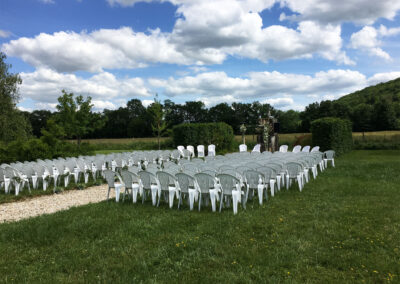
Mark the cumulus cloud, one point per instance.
(105, 48)
(261, 85)
(383, 77)
(368, 39)
(337, 11)
(4, 34)
(44, 87)
(204, 33)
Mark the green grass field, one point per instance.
(343, 228)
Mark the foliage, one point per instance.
(13, 124)
(76, 117)
(332, 134)
(343, 227)
(220, 134)
(158, 120)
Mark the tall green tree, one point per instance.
(158, 119)
(76, 117)
(13, 124)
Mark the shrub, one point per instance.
(332, 134)
(220, 134)
(36, 149)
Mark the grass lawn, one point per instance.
(344, 227)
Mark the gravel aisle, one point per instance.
(47, 204)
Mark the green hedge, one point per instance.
(32, 149)
(331, 133)
(220, 134)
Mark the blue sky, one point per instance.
(288, 53)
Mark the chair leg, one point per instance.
(108, 194)
(221, 202)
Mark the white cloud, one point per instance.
(215, 87)
(279, 102)
(146, 103)
(44, 86)
(28, 109)
(46, 106)
(368, 40)
(383, 77)
(212, 101)
(100, 105)
(93, 52)
(206, 33)
(4, 34)
(337, 11)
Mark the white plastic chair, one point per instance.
(190, 148)
(242, 148)
(257, 148)
(283, 148)
(315, 149)
(329, 156)
(306, 149)
(296, 149)
(180, 148)
(211, 150)
(200, 151)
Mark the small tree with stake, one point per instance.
(158, 125)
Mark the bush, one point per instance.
(220, 134)
(331, 133)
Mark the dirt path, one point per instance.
(47, 204)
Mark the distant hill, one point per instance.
(388, 91)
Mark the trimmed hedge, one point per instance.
(332, 133)
(220, 134)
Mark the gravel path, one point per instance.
(47, 204)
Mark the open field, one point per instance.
(290, 137)
(344, 227)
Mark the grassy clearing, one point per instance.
(344, 227)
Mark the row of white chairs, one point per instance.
(190, 152)
(231, 178)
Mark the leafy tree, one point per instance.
(38, 120)
(194, 111)
(289, 121)
(363, 118)
(13, 124)
(158, 119)
(385, 116)
(76, 117)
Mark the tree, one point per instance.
(76, 117)
(363, 118)
(13, 124)
(38, 120)
(158, 119)
(289, 121)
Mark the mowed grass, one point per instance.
(343, 228)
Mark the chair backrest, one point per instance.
(242, 148)
(110, 178)
(210, 172)
(211, 150)
(283, 148)
(147, 179)
(186, 153)
(127, 178)
(330, 154)
(190, 148)
(242, 169)
(180, 148)
(165, 179)
(225, 167)
(315, 149)
(190, 167)
(306, 149)
(268, 172)
(293, 169)
(253, 178)
(205, 182)
(185, 181)
(296, 149)
(176, 154)
(257, 148)
(228, 183)
(200, 151)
